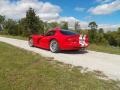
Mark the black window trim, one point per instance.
(69, 32)
(49, 32)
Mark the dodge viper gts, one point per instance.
(58, 39)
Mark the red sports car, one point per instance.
(57, 39)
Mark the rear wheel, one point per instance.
(82, 49)
(30, 42)
(54, 46)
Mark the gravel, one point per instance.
(109, 64)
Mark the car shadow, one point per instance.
(68, 52)
(74, 52)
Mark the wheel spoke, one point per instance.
(30, 42)
(53, 46)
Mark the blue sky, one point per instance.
(68, 9)
(106, 13)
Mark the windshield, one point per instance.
(67, 32)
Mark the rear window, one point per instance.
(67, 32)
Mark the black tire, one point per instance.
(30, 42)
(54, 46)
(82, 49)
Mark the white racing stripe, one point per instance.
(82, 40)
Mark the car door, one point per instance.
(45, 41)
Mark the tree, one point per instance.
(41, 27)
(101, 30)
(93, 25)
(2, 19)
(118, 37)
(33, 23)
(112, 37)
(77, 27)
(93, 31)
(64, 25)
(101, 37)
(22, 27)
(11, 27)
(118, 30)
(54, 24)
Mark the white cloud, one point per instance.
(103, 1)
(79, 9)
(84, 24)
(46, 11)
(106, 8)
(109, 27)
(71, 22)
(89, 18)
(18, 9)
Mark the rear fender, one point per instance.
(36, 39)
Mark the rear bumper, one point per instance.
(73, 46)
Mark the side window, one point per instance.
(50, 33)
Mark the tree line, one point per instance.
(98, 36)
(32, 24)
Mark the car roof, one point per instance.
(58, 29)
(55, 29)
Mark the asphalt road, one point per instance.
(109, 64)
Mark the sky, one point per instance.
(106, 13)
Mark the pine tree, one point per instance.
(33, 23)
(93, 31)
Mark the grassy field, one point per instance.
(106, 49)
(23, 70)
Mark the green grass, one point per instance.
(23, 70)
(106, 49)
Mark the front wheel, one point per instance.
(54, 46)
(30, 42)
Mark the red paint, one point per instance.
(66, 42)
